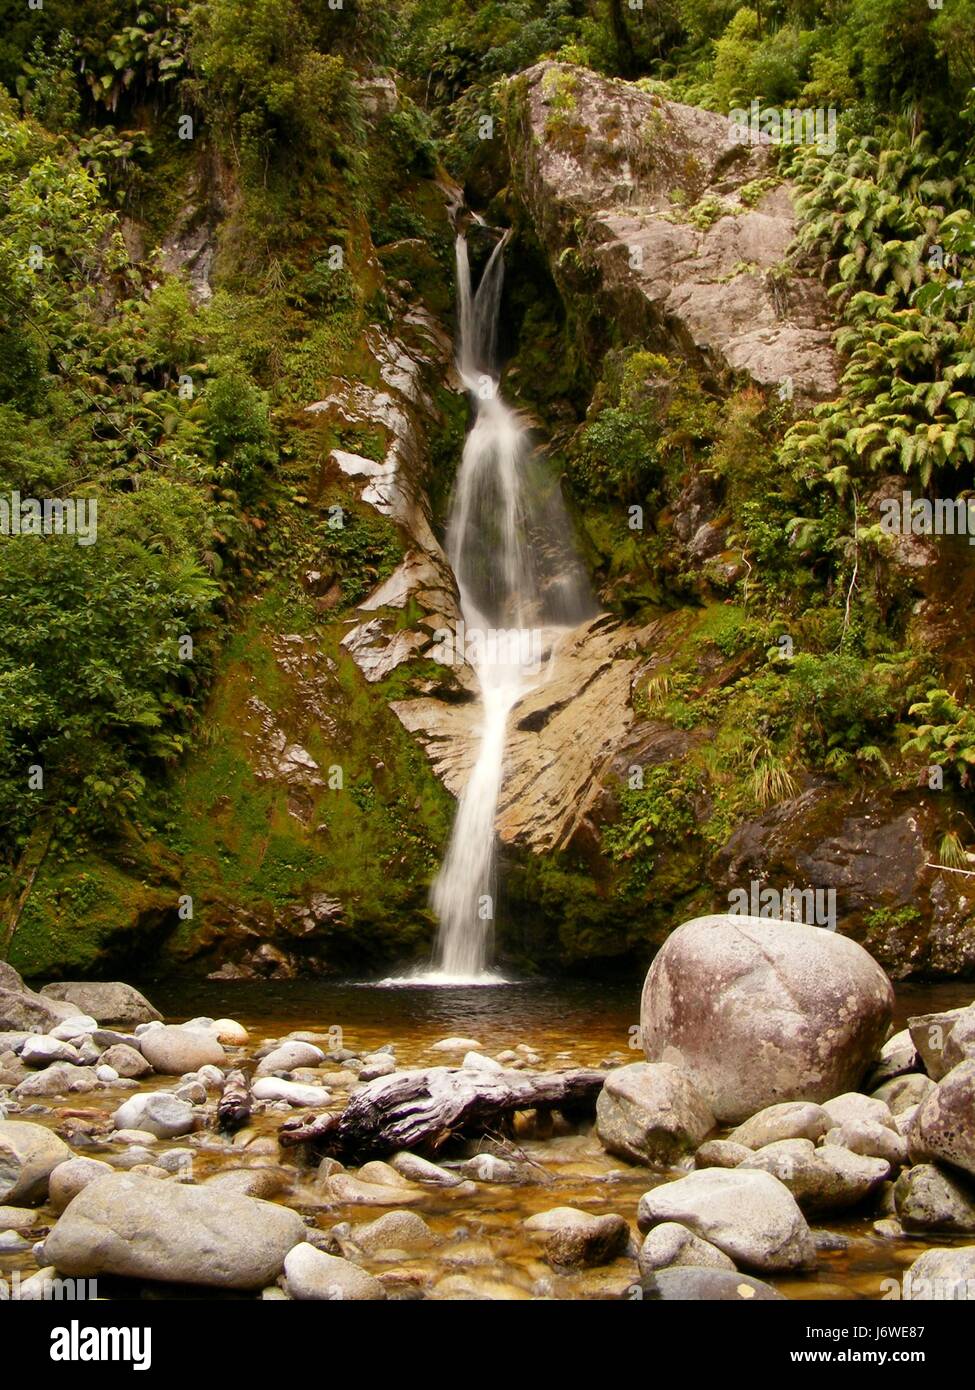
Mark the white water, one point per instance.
(507, 541)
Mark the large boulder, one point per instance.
(576, 1238)
(651, 1113)
(137, 1226)
(944, 1126)
(108, 1001)
(312, 1274)
(751, 1216)
(156, 1112)
(760, 1011)
(691, 1284)
(930, 1034)
(29, 1153)
(940, 1276)
(790, 1119)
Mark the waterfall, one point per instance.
(520, 584)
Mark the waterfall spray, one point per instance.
(519, 583)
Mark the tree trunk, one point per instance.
(423, 1109)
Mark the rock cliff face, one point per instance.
(665, 223)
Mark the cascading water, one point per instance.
(520, 583)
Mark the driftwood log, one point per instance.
(421, 1110)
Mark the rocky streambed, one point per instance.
(114, 1165)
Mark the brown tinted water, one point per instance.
(483, 1250)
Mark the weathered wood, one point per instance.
(421, 1110)
(234, 1107)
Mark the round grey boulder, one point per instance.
(928, 1198)
(790, 1119)
(671, 1244)
(311, 1274)
(174, 1050)
(944, 1126)
(759, 1011)
(108, 1001)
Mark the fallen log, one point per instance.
(421, 1110)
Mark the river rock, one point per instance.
(343, 1189)
(456, 1045)
(790, 1119)
(59, 1079)
(158, 1113)
(127, 1061)
(253, 1182)
(821, 1180)
(720, 1153)
(690, 1284)
(651, 1113)
(929, 1033)
(854, 1106)
(760, 1011)
(76, 1028)
(311, 1274)
(670, 1244)
(288, 1056)
(576, 1239)
(108, 1001)
(68, 1179)
(750, 1215)
(897, 1057)
(417, 1169)
(944, 1126)
(143, 1229)
(174, 1050)
(394, 1230)
(870, 1138)
(960, 1042)
(23, 1011)
(903, 1092)
(9, 979)
(40, 1050)
(942, 1275)
(229, 1032)
(29, 1153)
(275, 1088)
(928, 1198)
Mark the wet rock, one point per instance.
(395, 1230)
(928, 1198)
(229, 1032)
(143, 1229)
(173, 1050)
(821, 1180)
(575, 1239)
(59, 1079)
(941, 1275)
(12, 1243)
(417, 1169)
(17, 1218)
(159, 1113)
(456, 1045)
(706, 1285)
(289, 1056)
(929, 1033)
(68, 1179)
(759, 1011)
(274, 1088)
(29, 1153)
(651, 1113)
(375, 1065)
(944, 1126)
(751, 1216)
(106, 1001)
(311, 1274)
(486, 1167)
(903, 1092)
(252, 1182)
(721, 1153)
(790, 1119)
(671, 1244)
(345, 1190)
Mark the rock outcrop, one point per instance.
(669, 225)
